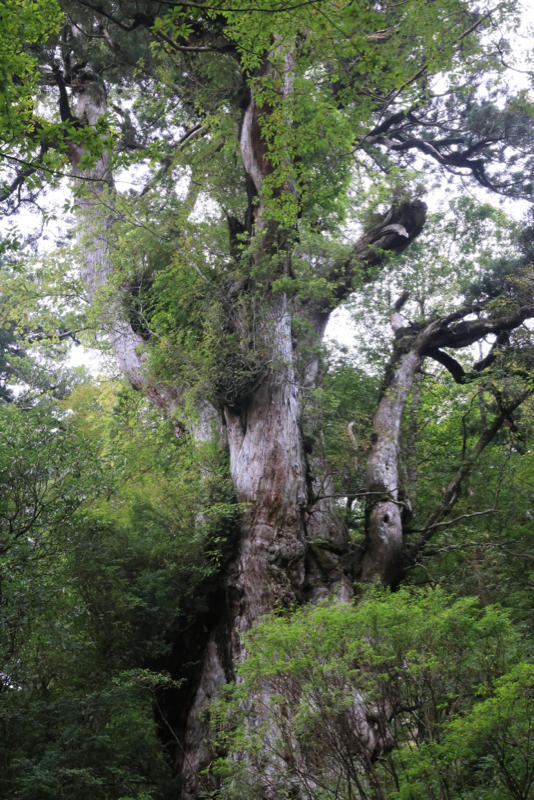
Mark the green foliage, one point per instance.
(42, 482)
(140, 544)
(22, 22)
(484, 553)
(10, 351)
(321, 683)
(105, 564)
(91, 745)
(114, 533)
(186, 303)
(485, 754)
(345, 403)
(469, 252)
(196, 340)
(341, 62)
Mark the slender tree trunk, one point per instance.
(385, 559)
(382, 559)
(383, 555)
(95, 199)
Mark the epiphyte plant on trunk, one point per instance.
(264, 130)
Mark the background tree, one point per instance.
(102, 568)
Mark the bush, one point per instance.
(337, 694)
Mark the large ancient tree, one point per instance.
(265, 134)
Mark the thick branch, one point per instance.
(458, 159)
(470, 331)
(41, 335)
(138, 20)
(456, 369)
(447, 361)
(31, 167)
(64, 105)
(392, 234)
(223, 47)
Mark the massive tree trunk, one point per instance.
(291, 544)
(273, 567)
(268, 470)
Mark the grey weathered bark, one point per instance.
(410, 451)
(382, 560)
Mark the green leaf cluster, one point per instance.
(319, 683)
(22, 23)
(105, 567)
